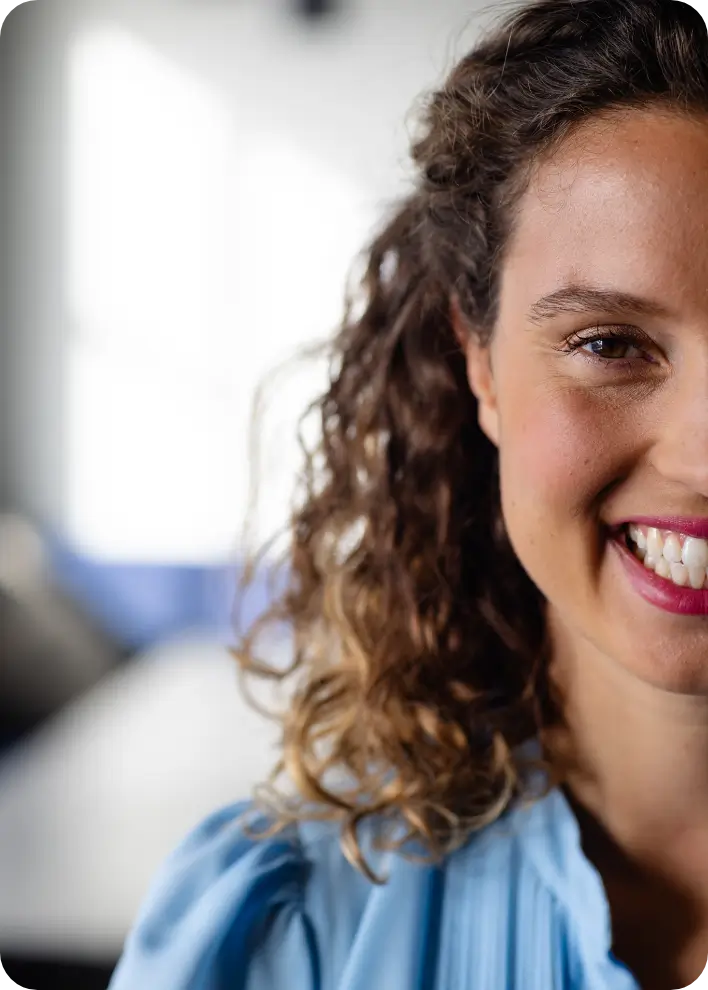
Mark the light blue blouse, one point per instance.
(519, 907)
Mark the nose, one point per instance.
(680, 449)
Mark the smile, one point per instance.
(673, 556)
(667, 568)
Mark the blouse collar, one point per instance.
(550, 837)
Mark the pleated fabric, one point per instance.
(519, 907)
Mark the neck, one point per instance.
(634, 756)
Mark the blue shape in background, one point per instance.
(140, 605)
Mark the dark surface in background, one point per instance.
(316, 8)
(37, 648)
(21, 642)
(48, 975)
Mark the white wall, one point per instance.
(190, 183)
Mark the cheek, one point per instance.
(556, 456)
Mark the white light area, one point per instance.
(302, 224)
(201, 254)
(150, 459)
(151, 161)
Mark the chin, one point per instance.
(659, 638)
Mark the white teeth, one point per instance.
(695, 552)
(696, 577)
(679, 574)
(681, 559)
(655, 544)
(672, 550)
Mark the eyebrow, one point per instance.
(587, 299)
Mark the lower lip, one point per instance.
(657, 591)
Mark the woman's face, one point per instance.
(594, 434)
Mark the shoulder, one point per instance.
(224, 896)
(231, 909)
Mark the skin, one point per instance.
(584, 444)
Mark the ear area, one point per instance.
(479, 371)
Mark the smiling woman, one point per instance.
(495, 755)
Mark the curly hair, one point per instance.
(419, 641)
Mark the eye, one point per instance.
(611, 348)
(621, 346)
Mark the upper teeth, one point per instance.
(683, 559)
(675, 547)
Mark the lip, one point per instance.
(689, 526)
(655, 590)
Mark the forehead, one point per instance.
(622, 203)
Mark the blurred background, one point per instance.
(183, 187)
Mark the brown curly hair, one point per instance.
(419, 640)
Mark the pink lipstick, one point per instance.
(658, 591)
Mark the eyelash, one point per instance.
(627, 335)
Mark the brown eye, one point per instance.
(611, 348)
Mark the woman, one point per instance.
(498, 732)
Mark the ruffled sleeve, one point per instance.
(225, 911)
